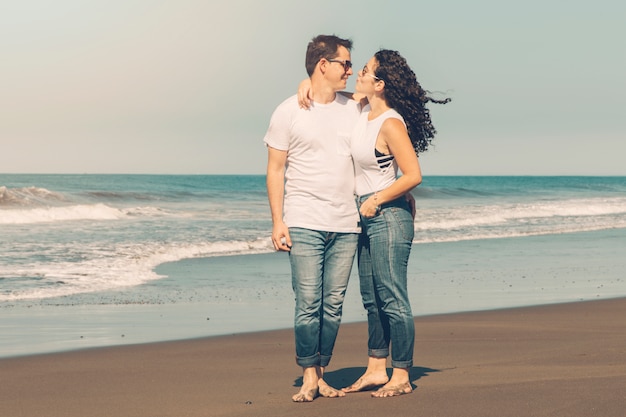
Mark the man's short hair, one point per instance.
(323, 46)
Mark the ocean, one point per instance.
(82, 256)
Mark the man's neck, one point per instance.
(322, 92)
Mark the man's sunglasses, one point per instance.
(346, 64)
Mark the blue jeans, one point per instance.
(320, 269)
(383, 255)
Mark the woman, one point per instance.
(393, 128)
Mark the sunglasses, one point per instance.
(365, 71)
(346, 64)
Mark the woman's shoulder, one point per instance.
(392, 123)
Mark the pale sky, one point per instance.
(188, 86)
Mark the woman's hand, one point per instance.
(411, 200)
(369, 208)
(305, 94)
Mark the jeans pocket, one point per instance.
(402, 220)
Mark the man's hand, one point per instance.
(281, 238)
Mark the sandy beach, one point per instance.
(556, 360)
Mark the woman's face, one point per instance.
(367, 78)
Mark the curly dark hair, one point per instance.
(405, 94)
(323, 46)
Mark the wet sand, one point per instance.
(554, 360)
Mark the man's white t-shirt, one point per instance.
(319, 176)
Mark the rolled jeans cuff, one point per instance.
(378, 353)
(401, 364)
(308, 361)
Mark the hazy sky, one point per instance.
(188, 87)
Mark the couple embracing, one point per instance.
(334, 191)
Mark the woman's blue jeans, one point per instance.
(383, 254)
(320, 269)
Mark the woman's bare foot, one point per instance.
(368, 381)
(375, 375)
(327, 391)
(393, 390)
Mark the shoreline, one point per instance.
(248, 293)
(245, 333)
(566, 359)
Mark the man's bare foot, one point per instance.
(327, 391)
(393, 390)
(306, 395)
(367, 382)
(309, 390)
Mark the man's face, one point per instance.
(339, 69)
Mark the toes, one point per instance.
(353, 388)
(304, 396)
(394, 391)
(364, 385)
(330, 392)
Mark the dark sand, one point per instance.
(560, 360)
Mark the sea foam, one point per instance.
(63, 213)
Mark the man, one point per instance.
(310, 186)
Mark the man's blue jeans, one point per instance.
(383, 255)
(320, 269)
